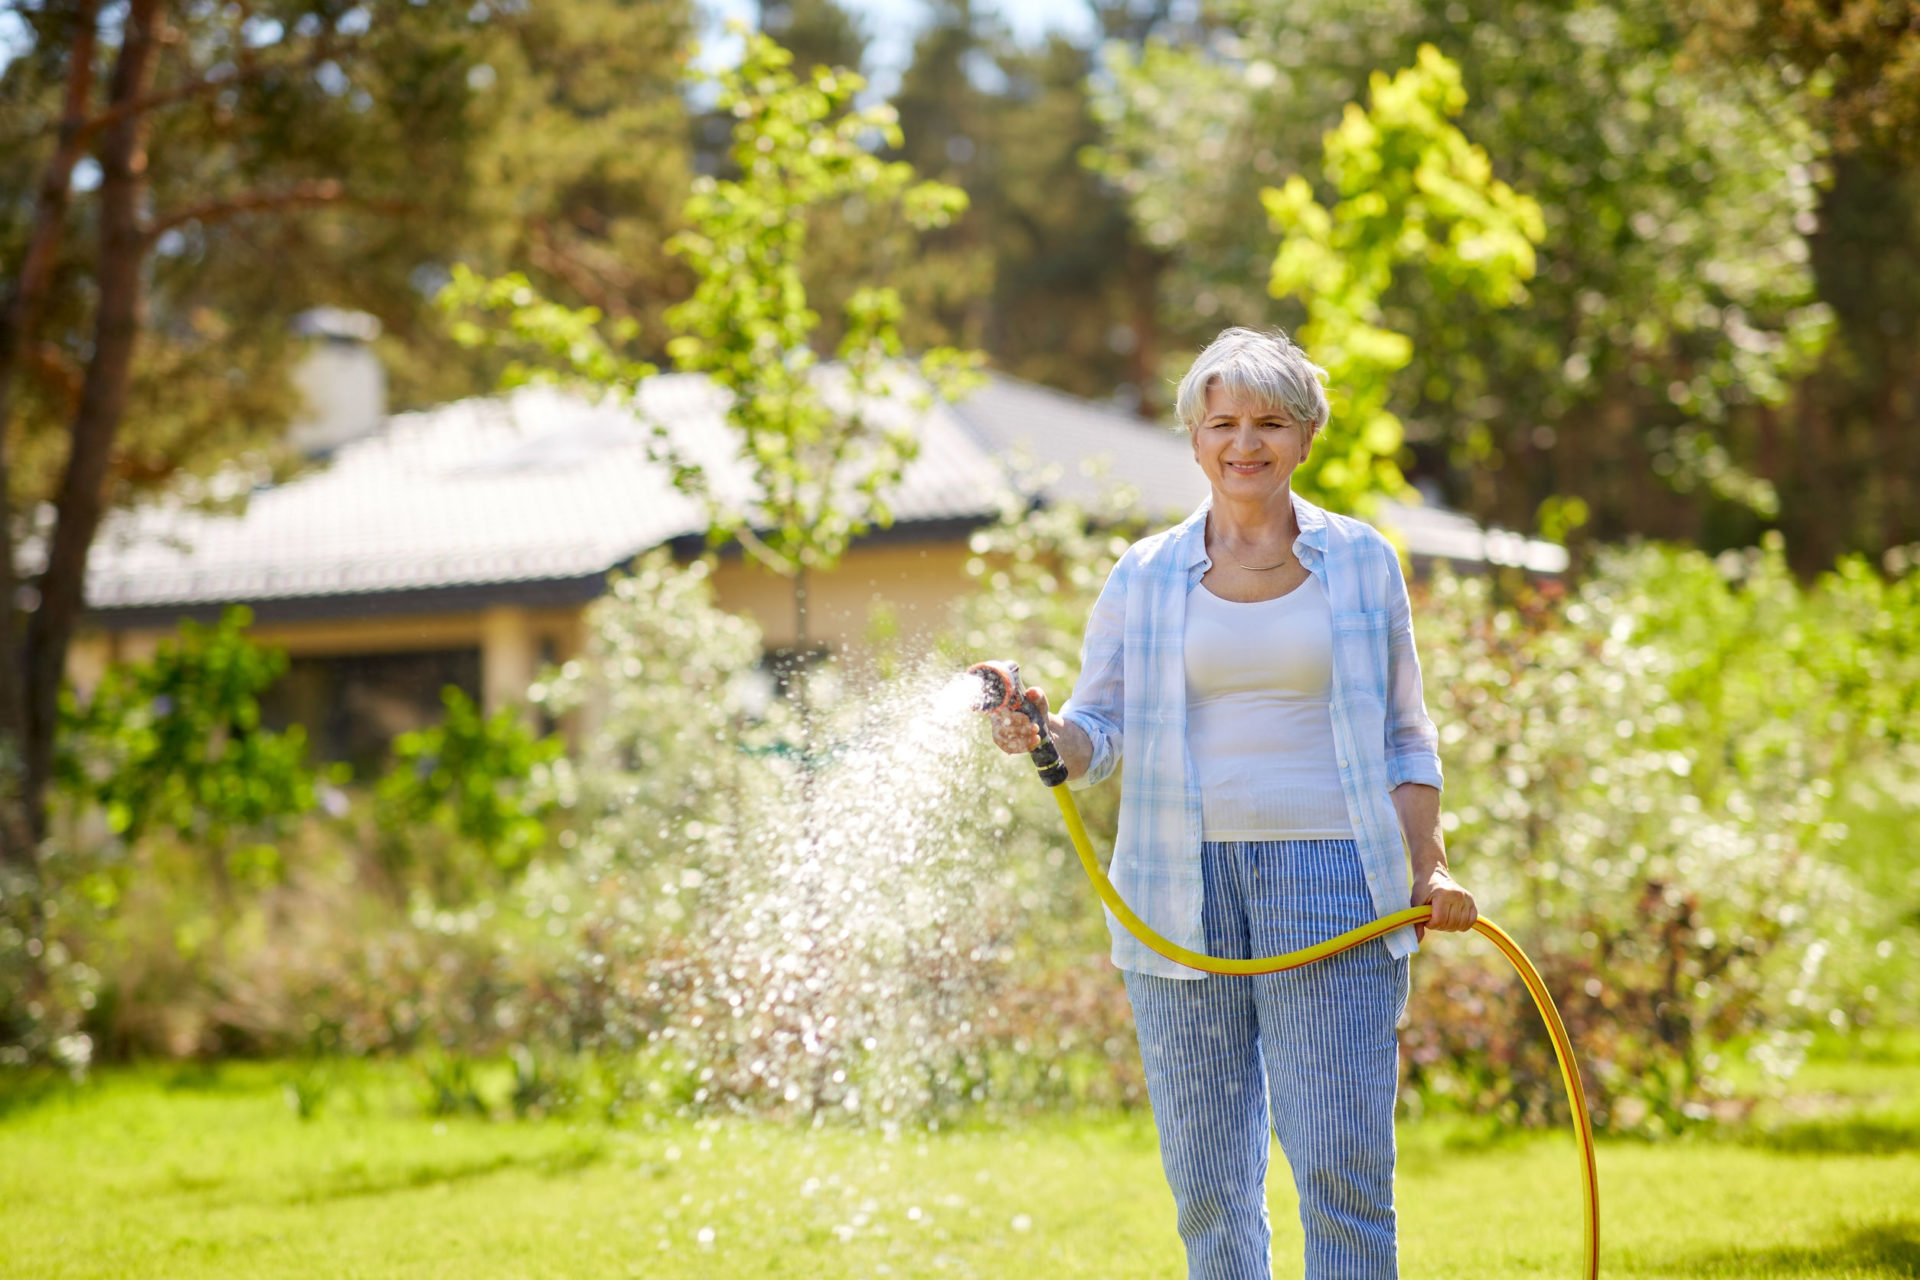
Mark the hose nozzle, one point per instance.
(1001, 690)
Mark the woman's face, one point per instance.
(1248, 453)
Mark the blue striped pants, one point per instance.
(1320, 1041)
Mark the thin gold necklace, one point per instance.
(1261, 568)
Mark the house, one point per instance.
(459, 545)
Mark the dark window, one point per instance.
(353, 706)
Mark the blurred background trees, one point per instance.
(189, 177)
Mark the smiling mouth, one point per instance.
(1245, 466)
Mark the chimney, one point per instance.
(340, 379)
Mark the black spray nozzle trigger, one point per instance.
(1002, 690)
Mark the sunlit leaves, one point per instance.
(820, 456)
(175, 743)
(474, 777)
(1415, 195)
(542, 340)
(1673, 291)
(820, 445)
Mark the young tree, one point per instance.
(1415, 195)
(821, 444)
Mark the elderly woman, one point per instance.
(1252, 671)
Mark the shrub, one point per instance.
(198, 904)
(175, 744)
(1641, 788)
(167, 753)
(465, 801)
(1645, 782)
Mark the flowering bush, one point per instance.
(1642, 782)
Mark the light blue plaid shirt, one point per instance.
(1133, 688)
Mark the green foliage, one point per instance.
(447, 1086)
(1674, 296)
(175, 743)
(1414, 195)
(820, 450)
(1849, 483)
(177, 798)
(327, 155)
(306, 1089)
(481, 780)
(1042, 269)
(1862, 58)
(169, 788)
(539, 340)
(1642, 789)
(1646, 784)
(819, 466)
(1647, 781)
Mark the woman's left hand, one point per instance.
(1453, 907)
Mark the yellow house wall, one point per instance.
(917, 583)
(509, 639)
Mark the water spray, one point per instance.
(1002, 690)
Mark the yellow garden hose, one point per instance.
(1556, 1029)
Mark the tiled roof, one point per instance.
(545, 485)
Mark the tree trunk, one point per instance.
(103, 398)
(799, 664)
(19, 321)
(1144, 303)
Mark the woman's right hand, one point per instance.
(1015, 733)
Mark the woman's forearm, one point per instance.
(1419, 808)
(1433, 885)
(1073, 744)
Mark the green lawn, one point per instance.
(156, 1174)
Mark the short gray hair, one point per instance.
(1264, 367)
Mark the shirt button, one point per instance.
(1343, 764)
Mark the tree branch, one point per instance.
(318, 191)
(601, 283)
(209, 85)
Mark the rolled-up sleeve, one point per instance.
(1413, 744)
(1097, 704)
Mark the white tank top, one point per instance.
(1259, 716)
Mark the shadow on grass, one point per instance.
(1853, 1136)
(356, 1182)
(353, 1184)
(1881, 1249)
(24, 1091)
